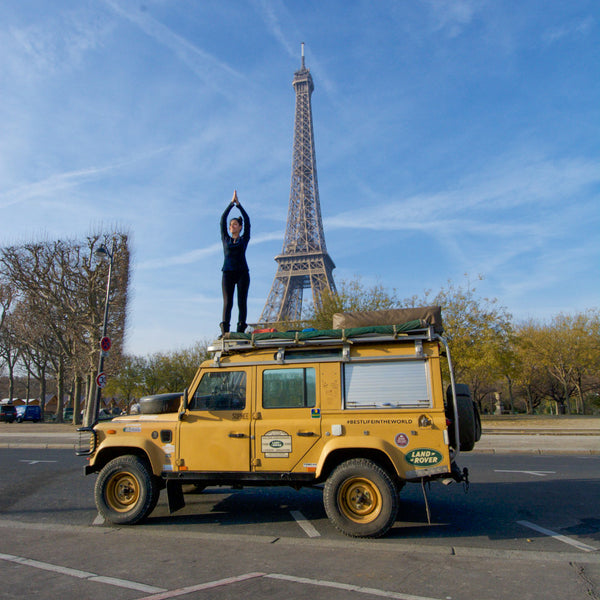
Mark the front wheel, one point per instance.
(126, 491)
(361, 499)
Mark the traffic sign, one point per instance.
(101, 380)
(105, 344)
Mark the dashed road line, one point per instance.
(558, 536)
(305, 524)
(124, 583)
(538, 473)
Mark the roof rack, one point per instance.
(244, 342)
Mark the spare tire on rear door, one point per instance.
(160, 403)
(469, 421)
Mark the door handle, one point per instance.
(236, 435)
(306, 433)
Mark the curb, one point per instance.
(42, 446)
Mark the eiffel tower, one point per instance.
(303, 262)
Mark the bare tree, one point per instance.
(9, 350)
(63, 284)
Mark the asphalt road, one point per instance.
(529, 527)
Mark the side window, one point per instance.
(289, 388)
(221, 390)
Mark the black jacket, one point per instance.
(235, 251)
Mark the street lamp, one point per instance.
(103, 253)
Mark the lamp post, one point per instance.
(102, 252)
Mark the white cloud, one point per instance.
(199, 254)
(213, 72)
(452, 16)
(577, 28)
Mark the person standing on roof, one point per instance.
(235, 268)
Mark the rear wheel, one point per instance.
(126, 491)
(361, 499)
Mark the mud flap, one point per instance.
(175, 495)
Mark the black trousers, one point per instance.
(231, 279)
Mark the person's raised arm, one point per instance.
(234, 200)
(246, 221)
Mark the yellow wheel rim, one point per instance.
(122, 492)
(360, 500)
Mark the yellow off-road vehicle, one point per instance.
(360, 410)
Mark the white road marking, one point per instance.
(99, 520)
(306, 525)
(163, 594)
(202, 586)
(558, 536)
(35, 462)
(36, 564)
(348, 587)
(538, 473)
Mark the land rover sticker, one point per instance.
(401, 440)
(276, 444)
(423, 457)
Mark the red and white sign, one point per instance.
(401, 440)
(101, 380)
(105, 344)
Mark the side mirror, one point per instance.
(184, 405)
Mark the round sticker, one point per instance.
(401, 440)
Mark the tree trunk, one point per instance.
(77, 401)
(528, 402)
(43, 391)
(60, 392)
(90, 400)
(567, 403)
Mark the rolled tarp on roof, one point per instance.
(427, 315)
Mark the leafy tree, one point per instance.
(126, 382)
(478, 330)
(351, 296)
(567, 349)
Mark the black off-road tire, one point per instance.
(361, 499)
(126, 491)
(469, 425)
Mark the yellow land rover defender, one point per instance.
(359, 410)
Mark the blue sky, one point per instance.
(452, 137)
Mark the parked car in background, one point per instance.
(29, 413)
(8, 413)
(68, 414)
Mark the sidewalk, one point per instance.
(540, 434)
(501, 435)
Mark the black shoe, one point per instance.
(224, 329)
(241, 327)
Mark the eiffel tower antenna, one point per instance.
(304, 262)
